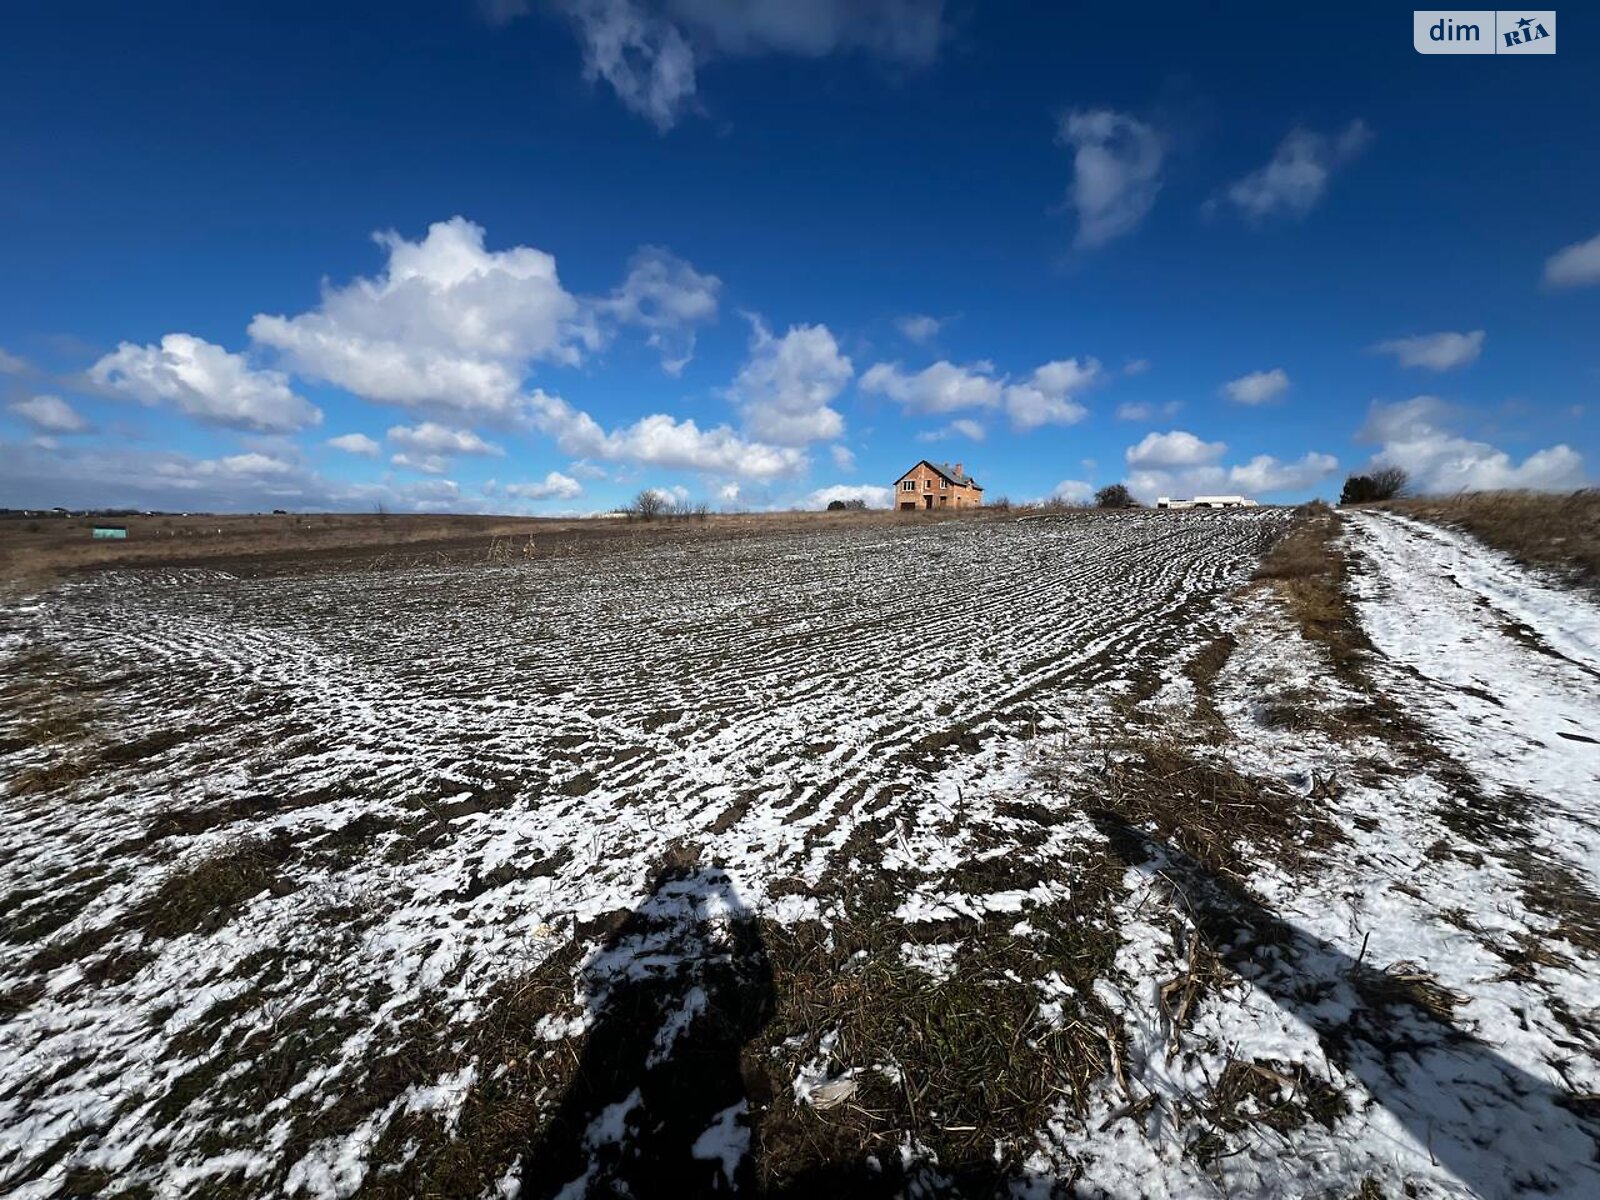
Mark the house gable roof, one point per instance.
(948, 472)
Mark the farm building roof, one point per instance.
(953, 474)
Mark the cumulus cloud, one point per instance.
(1179, 448)
(1262, 474)
(662, 441)
(1577, 265)
(449, 325)
(843, 457)
(1258, 387)
(207, 383)
(784, 389)
(429, 447)
(961, 427)
(1073, 491)
(1416, 435)
(1435, 351)
(647, 51)
(433, 438)
(50, 414)
(667, 297)
(1044, 397)
(1292, 183)
(10, 364)
(875, 497)
(1116, 162)
(554, 486)
(919, 328)
(1147, 410)
(942, 388)
(355, 443)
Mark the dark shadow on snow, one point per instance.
(675, 993)
(1522, 1134)
(660, 1105)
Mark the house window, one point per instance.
(927, 485)
(909, 485)
(944, 485)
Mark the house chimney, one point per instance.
(958, 471)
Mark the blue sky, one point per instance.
(534, 257)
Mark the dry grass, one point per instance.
(1222, 819)
(205, 894)
(33, 552)
(1308, 571)
(1558, 531)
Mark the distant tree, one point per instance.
(1115, 495)
(647, 505)
(1386, 483)
(835, 505)
(1391, 482)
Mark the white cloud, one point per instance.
(1116, 171)
(942, 388)
(1146, 410)
(647, 61)
(667, 297)
(1435, 351)
(50, 414)
(118, 477)
(1046, 396)
(784, 389)
(1137, 366)
(554, 486)
(1258, 387)
(1178, 448)
(433, 438)
(448, 325)
(10, 364)
(207, 383)
(1577, 265)
(919, 328)
(661, 441)
(648, 51)
(1073, 491)
(1415, 434)
(1263, 473)
(960, 427)
(875, 497)
(355, 443)
(843, 457)
(428, 464)
(1296, 178)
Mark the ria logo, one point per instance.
(1528, 30)
(1484, 31)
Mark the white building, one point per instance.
(1208, 502)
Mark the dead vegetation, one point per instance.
(205, 894)
(1551, 530)
(1308, 571)
(1225, 820)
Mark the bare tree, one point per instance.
(1115, 495)
(1385, 483)
(648, 505)
(1390, 483)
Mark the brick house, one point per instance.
(936, 485)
